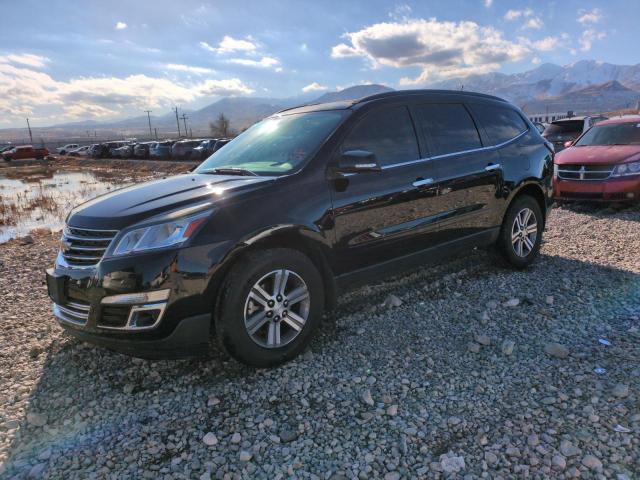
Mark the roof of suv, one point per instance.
(623, 119)
(346, 104)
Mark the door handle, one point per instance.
(492, 166)
(422, 181)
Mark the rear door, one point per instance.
(380, 215)
(467, 176)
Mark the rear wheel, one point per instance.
(271, 302)
(521, 232)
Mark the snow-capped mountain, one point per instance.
(551, 85)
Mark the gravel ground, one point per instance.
(465, 369)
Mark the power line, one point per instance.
(177, 120)
(149, 118)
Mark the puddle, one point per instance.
(41, 199)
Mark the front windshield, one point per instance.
(276, 145)
(612, 134)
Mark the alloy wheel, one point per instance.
(276, 308)
(524, 232)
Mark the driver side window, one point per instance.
(387, 133)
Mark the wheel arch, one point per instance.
(303, 239)
(533, 189)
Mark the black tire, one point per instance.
(231, 332)
(506, 246)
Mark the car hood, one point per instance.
(130, 205)
(598, 155)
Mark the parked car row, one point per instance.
(197, 149)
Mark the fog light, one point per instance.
(630, 195)
(144, 318)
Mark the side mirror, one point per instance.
(357, 161)
(568, 143)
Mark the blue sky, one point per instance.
(71, 60)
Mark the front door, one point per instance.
(379, 215)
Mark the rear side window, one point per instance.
(501, 124)
(387, 133)
(449, 128)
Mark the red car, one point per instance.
(601, 165)
(24, 151)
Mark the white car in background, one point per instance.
(67, 148)
(80, 152)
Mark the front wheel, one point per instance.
(270, 304)
(521, 232)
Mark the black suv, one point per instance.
(257, 242)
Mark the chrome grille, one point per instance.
(72, 312)
(584, 172)
(82, 247)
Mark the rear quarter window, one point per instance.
(500, 124)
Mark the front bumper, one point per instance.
(620, 189)
(107, 304)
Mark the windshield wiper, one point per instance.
(231, 171)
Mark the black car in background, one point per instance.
(564, 131)
(254, 245)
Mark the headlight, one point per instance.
(624, 169)
(160, 235)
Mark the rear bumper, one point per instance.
(624, 189)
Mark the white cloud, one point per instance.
(536, 60)
(488, 3)
(440, 49)
(589, 16)
(546, 44)
(188, 68)
(25, 59)
(229, 45)
(27, 91)
(314, 87)
(206, 46)
(588, 37)
(121, 26)
(534, 23)
(264, 62)
(515, 14)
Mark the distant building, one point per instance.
(549, 116)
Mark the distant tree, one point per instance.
(221, 127)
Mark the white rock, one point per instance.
(212, 401)
(451, 463)
(507, 347)
(483, 339)
(236, 438)
(556, 350)
(245, 456)
(392, 410)
(367, 398)
(512, 302)
(392, 301)
(36, 419)
(210, 439)
(592, 462)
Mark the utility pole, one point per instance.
(184, 119)
(29, 127)
(177, 120)
(156, 130)
(149, 118)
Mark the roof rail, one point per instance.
(423, 91)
